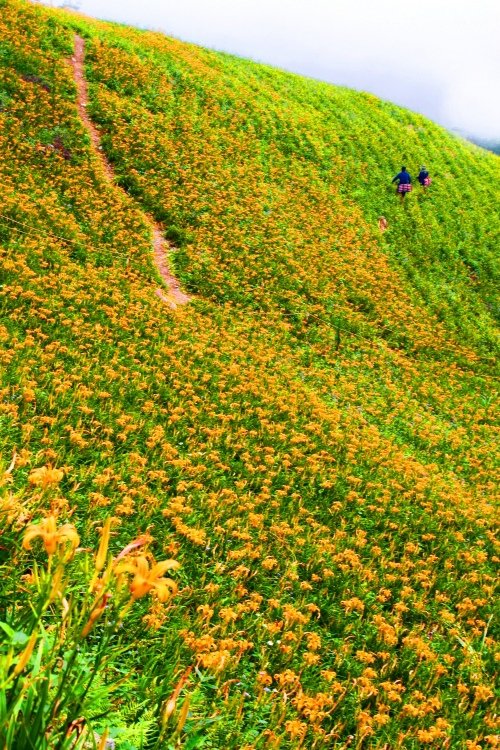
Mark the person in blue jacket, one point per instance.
(423, 177)
(404, 182)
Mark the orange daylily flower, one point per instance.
(45, 476)
(148, 579)
(102, 552)
(25, 655)
(52, 535)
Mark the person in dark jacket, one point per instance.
(404, 182)
(423, 177)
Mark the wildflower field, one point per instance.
(267, 518)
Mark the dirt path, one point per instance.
(172, 294)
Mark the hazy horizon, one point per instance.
(438, 58)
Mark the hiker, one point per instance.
(404, 182)
(423, 177)
(383, 224)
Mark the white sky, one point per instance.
(438, 57)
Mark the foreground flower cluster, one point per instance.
(311, 438)
(64, 634)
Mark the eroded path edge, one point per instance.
(172, 294)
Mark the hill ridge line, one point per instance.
(175, 295)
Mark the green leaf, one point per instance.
(7, 629)
(19, 638)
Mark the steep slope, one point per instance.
(318, 142)
(312, 437)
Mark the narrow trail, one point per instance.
(172, 295)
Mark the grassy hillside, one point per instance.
(311, 438)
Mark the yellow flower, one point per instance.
(296, 728)
(26, 654)
(95, 614)
(51, 534)
(148, 579)
(103, 546)
(44, 476)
